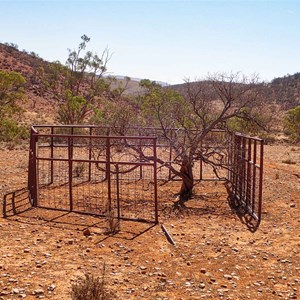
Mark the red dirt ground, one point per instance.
(215, 255)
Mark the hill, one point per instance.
(39, 105)
(283, 91)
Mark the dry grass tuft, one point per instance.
(91, 288)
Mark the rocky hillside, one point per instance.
(283, 92)
(37, 107)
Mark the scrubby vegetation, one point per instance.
(90, 287)
(292, 123)
(80, 93)
(11, 93)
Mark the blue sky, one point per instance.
(163, 40)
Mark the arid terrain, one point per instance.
(215, 255)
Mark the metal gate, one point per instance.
(246, 175)
(73, 168)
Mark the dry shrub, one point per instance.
(91, 288)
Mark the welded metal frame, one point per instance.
(244, 163)
(35, 158)
(246, 174)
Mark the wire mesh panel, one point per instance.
(70, 169)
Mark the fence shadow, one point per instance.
(17, 207)
(16, 202)
(243, 214)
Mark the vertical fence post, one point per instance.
(90, 154)
(32, 165)
(108, 172)
(70, 162)
(248, 176)
(244, 171)
(261, 172)
(51, 156)
(155, 179)
(254, 176)
(141, 157)
(118, 191)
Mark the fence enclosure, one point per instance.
(93, 174)
(85, 169)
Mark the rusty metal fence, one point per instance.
(86, 169)
(71, 169)
(246, 174)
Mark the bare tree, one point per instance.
(186, 119)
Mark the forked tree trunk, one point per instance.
(187, 185)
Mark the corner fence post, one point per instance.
(70, 161)
(32, 164)
(261, 172)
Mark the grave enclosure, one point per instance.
(86, 169)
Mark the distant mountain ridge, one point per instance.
(121, 77)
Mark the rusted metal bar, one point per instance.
(254, 176)
(51, 155)
(108, 178)
(32, 168)
(261, 173)
(90, 153)
(244, 166)
(248, 177)
(70, 162)
(118, 192)
(141, 157)
(155, 180)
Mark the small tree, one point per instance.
(292, 121)
(78, 87)
(11, 92)
(186, 118)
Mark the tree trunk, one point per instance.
(187, 185)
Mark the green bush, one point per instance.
(10, 131)
(73, 110)
(250, 122)
(292, 123)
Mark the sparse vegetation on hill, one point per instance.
(292, 122)
(284, 91)
(78, 92)
(11, 93)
